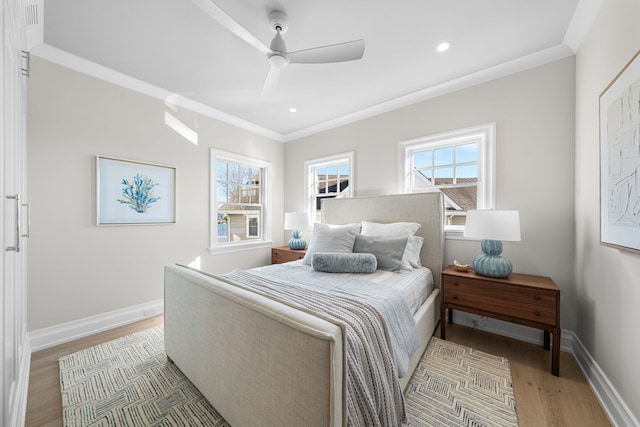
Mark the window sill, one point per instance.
(240, 247)
(455, 233)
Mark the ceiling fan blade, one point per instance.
(231, 24)
(340, 52)
(271, 82)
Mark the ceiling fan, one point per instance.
(277, 53)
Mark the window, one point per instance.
(253, 227)
(240, 205)
(327, 177)
(460, 164)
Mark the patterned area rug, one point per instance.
(128, 382)
(456, 385)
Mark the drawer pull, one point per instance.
(536, 297)
(537, 313)
(455, 297)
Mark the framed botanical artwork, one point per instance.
(620, 160)
(131, 192)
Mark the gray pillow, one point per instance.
(388, 251)
(331, 239)
(344, 263)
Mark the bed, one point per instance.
(262, 360)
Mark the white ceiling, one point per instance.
(174, 45)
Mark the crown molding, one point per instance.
(583, 18)
(76, 63)
(85, 66)
(521, 64)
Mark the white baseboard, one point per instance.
(58, 334)
(511, 330)
(617, 410)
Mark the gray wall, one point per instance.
(533, 111)
(77, 269)
(607, 280)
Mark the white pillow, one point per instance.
(331, 238)
(411, 257)
(319, 226)
(412, 252)
(395, 229)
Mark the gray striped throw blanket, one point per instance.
(375, 330)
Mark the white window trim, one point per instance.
(309, 180)
(485, 134)
(266, 240)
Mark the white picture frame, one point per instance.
(132, 192)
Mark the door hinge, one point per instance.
(26, 63)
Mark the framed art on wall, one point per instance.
(132, 192)
(620, 160)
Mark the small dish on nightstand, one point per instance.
(461, 267)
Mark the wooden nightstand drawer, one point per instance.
(538, 305)
(285, 254)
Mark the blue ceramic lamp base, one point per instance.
(491, 264)
(296, 242)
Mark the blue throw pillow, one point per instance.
(344, 263)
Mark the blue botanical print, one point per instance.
(138, 194)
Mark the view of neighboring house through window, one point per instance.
(459, 164)
(454, 171)
(253, 226)
(238, 207)
(328, 177)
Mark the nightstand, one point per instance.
(285, 254)
(521, 298)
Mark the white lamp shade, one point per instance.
(493, 225)
(296, 221)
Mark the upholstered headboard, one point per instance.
(423, 208)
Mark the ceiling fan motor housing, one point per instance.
(278, 61)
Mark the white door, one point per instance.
(14, 346)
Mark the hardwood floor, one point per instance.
(541, 399)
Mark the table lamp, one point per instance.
(296, 221)
(492, 227)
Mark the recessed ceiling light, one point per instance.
(292, 110)
(443, 47)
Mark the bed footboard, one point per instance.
(234, 345)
